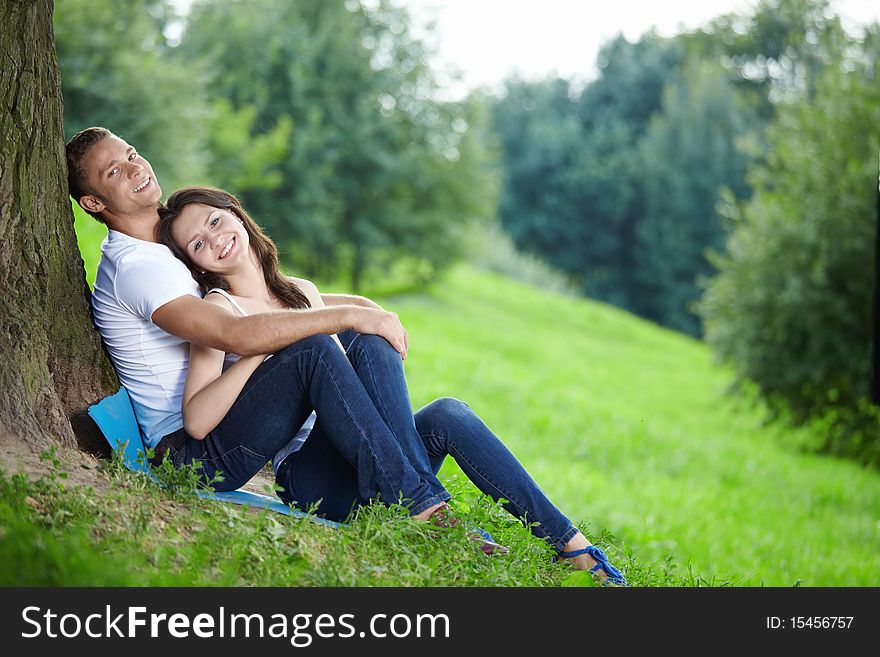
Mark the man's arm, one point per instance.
(196, 320)
(210, 391)
(348, 300)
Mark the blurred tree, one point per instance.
(773, 52)
(791, 305)
(541, 139)
(376, 170)
(689, 155)
(242, 159)
(116, 71)
(573, 189)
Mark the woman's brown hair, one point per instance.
(280, 286)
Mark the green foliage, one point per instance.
(89, 235)
(374, 170)
(617, 185)
(332, 136)
(243, 159)
(540, 138)
(791, 305)
(689, 154)
(774, 52)
(116, 71)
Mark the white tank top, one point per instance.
(297, 442)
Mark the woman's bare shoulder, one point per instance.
(309, 289)
(304, 284)
(217, 299)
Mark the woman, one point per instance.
(366, 439)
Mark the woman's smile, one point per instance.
(226, 249)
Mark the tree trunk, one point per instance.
(52, 364)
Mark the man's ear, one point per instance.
(91, 203)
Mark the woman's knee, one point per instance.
(320, 342)
(372, 345)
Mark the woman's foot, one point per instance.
(583, 555)
(441, 509)
(441, 516)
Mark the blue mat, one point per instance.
(115, 417)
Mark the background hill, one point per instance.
(626, 426)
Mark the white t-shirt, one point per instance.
(134, 279)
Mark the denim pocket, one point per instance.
(237, 466)
(177, 456)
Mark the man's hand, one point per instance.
(374, 321)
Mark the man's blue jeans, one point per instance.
(366, 440)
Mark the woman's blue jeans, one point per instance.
(366, 441)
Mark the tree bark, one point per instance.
(52, 365)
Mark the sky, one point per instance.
(487, 40)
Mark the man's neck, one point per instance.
(141, 226)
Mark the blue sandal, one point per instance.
(487, 544)
(615, 577)
(442, 516)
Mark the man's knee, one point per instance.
(443, 410)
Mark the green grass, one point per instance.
(624, 424)
(627, 428)
(89, 234)
(137, 534)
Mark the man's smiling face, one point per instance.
(123, 182)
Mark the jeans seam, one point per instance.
(217, 461)
(436, 497)
(366, 361)
(538, 528)
(242, 447)
(509, 498)
(426, 504)
(354, 421)
(569, 534)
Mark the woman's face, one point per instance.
(214, 239)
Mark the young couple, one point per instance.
(232, 364)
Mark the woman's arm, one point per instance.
(311, 291)
(209, 392)
(349, 300)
